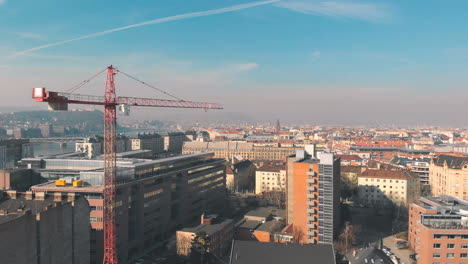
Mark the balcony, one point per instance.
(311, 210)
(311, 180)
(313, 226)
(311, 188)
(310, 195)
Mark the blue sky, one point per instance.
(299, 60)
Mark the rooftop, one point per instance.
(13, 207)
(250, 252)
(453, 162)
(389, 174)
(272, 168)
(349, 157)
(208, 229)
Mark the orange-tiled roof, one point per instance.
(349, 157)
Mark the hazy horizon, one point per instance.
(316, 61)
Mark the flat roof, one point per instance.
(51, 187)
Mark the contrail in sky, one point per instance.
(151, 22)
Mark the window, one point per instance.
(450, 245)
(464, 246)
(464, 236)
(450, 255)
(437, 245)
(451, 236)
(436, 255)
(437, 236)
(463, 255)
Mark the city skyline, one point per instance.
(333, 62)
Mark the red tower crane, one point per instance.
(60, 101)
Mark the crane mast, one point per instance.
(110, 101)
(110, 117)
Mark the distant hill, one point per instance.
(78, 120)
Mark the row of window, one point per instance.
(438, 245)
(450, 255)
(384, 186)
(450, 236)
(378, 180)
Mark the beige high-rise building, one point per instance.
(449, 175)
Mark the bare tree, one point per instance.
(348, 235)
(298, 235)
(184, 243)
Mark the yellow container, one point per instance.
(60, 183)
(78, 183)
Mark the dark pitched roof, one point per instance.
(355, 169)
(252, 252)
(390, 174)
(453, 162)
(272, 168)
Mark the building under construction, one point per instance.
(154, 197)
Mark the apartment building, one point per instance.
(449, 175)
(219, 231)
(313, 195)
(240, 176)
(154, 197)
(438, 230)
(385, 187)
(92, 147)
(270, 177)
(153, 142)
(174, 141)
(250, 151)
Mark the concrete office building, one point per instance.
(313, 195)
(250, 151)
(44, 228)
(449, 175)
(438, 229)
(154, 197)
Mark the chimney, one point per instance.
(71, 197)
(40, 196)
(202, 218)
(11, 194)
(29, 195)
(57, 196)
